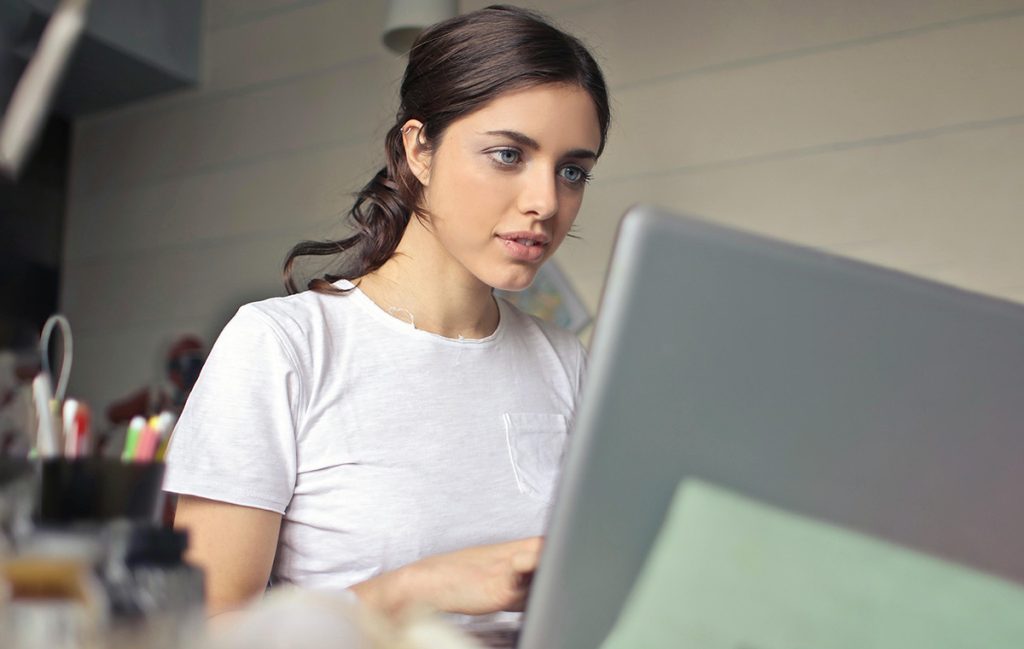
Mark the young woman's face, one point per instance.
(505, 183)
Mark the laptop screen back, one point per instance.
(849, 393)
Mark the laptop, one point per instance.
(852, 394)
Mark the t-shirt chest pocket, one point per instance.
(536, 442)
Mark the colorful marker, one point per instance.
(131, 438)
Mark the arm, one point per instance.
(475, 581)
(234, 545)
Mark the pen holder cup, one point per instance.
(99, 490)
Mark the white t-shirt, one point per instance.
(379, 443)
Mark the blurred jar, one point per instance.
(53, 598)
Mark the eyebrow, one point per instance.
(530, 143)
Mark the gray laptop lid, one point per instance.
(850, 393)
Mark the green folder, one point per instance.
(727, 572)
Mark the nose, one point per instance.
(538, 196)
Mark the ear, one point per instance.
(417, 154)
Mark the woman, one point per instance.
(396, 430)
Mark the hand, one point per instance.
(474, 581)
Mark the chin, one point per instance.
(520, 282)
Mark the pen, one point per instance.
(167, 421)
(70, 429)
(83, 423)
(148, 440)
(77, 424)
(131, 438)
(47, 438)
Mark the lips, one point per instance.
(524, 246)
(526, 237)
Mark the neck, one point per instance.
(421, 284)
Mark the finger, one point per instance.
(523, 562)
(522, 587)
(532, 544)
(535, 543)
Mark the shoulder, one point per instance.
(550, 345)
(530, 326)
(300, 307)
(299, 323)
(295, 314)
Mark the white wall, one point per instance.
(887, 130)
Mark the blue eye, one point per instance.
(574, 175)
(506, 156)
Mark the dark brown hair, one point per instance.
(455, 67)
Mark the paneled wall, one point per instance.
(887, 130)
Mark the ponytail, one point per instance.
(380, 213)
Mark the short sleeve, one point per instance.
(236, 439)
